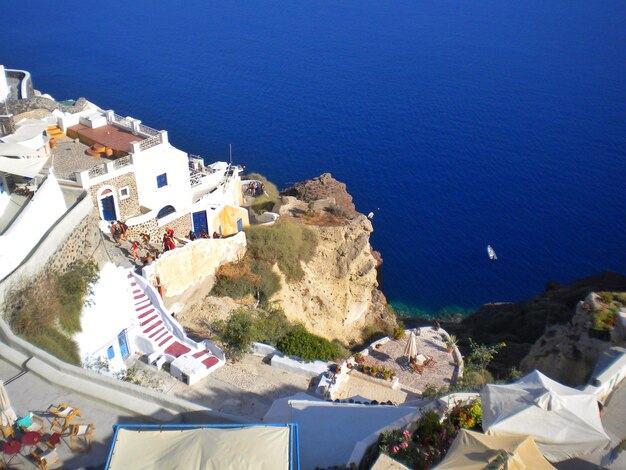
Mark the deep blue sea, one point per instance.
(459, 124)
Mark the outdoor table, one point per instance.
(30, 438)
(11, 447)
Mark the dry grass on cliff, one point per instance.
(46, 310)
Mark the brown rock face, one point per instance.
(338, 296)
(323, 187)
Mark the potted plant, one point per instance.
(387, 374)
(451, 343)
(358, 358)
(366, 369)
(378, 345)
(374, 371)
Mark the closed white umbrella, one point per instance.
(7, 415)
(410, 349)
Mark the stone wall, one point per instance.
(128, 207)
(83, 243)
(39, 102)
(181, 227)
(186, 267)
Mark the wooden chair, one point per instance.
(46, 459)
(430, 362)
(64, 415)
(7, 432)
(80, 437)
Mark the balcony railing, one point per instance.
(149, 143)
(122, 162)
(98, 170)
(122, 121)
(147, 130)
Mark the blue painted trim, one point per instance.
(115, 428)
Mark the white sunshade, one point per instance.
(258, 447)
(7, 415)
(564, 422)
(27, 167)
(474, 451)
(410, 349)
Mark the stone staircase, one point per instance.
(165, 344)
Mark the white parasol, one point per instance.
(410, 349)
(7, 415)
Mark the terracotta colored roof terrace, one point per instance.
(109, 136)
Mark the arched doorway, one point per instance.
(108, 206)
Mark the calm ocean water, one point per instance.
(459, 124)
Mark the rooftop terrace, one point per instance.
(390, 355)
(107, 135)
(69, 157)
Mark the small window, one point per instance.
(124, 193)
(110, 352)
(162, 180)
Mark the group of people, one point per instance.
(255, 188)
(203, 234)
(119, 232)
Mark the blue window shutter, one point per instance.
(110, 352)
(162, 180)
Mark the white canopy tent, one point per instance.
(268, 447)
(564, 422)
(476, 451)
(26, 167)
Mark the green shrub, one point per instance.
(285, 243)
(237, 333)
(46, 310)
(267, 282)
(468, 416)
(271, 325)
(307, 346)
(56, 343)
(234, 280)
(73, 286)
(398, 333)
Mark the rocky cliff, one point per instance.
(338, 296)
(534, 328)
(569, 352)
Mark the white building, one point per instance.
(126, 316)
(146, 182)
(31, 199)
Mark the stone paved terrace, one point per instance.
(69, 157)
(429, 343)
(29, 393)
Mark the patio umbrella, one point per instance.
(410, 349)
(7, 415)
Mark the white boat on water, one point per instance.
(491, 253)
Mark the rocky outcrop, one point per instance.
(567, 353)
(338, 296)
(320, 188)
(522, 324)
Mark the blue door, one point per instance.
(108, 208)
(199, 223)
(123, 342)
(239, 225)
